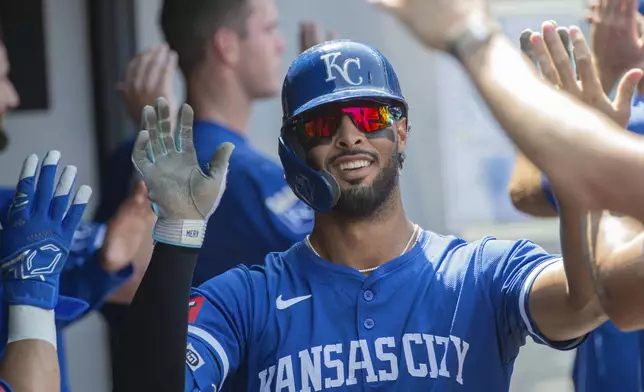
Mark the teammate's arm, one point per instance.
(31, 365)
(570, 142)
(34, 246)
(614, 251)
(577, 147)
(562, 301)
(527, 191)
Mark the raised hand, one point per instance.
(557, 51)
(148, 76)
(311, 35)
(616, 39)
(183, 196)
(38, 234)
(437, 23)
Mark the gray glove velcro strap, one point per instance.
(186, 233)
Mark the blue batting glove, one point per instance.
(38, 234)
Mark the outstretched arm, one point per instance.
(613, 248)
(582, 150)
(526, 189)
(578, 148)
(155, 333)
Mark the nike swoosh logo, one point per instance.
(281, 304)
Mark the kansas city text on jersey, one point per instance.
(447, 315)
(418, 355)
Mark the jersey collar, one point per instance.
(309, 262)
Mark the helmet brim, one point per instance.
(348, 95)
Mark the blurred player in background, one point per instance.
(230, 54)
(609, 359)
(369, 299)
(99, 259)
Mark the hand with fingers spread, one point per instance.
(182, 195)
(439, 23)
(38, 234)
(558, 50)
(311, 35)
(148, 76)
(616, 39)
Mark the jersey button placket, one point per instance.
(367, 322)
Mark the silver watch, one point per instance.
(477, 31)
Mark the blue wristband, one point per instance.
(547, 191)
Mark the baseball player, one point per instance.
(608, 359)
(369, 299)
(36, 241)
(99, 255)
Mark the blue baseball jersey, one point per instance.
(610, 359)
(257, 208)
(82, 277)
(447, 315)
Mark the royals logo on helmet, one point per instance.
(330, 63)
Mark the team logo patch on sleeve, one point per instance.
(194, 306)
(193, 359)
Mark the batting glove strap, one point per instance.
(186, 233)
(31, 292)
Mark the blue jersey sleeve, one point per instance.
(278, 213)
(512, 267)
(254, 219)
(83, 278)
(223, 313)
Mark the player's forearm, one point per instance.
(563, 302)
(31, 363)
(572, 143)
(153, 342)
(31, 366)
(614, 252)
(526, 191)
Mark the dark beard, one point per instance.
(367, 201)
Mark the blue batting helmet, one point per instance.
(331, 72)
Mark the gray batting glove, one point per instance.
(182, 195)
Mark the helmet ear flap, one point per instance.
(319, 190)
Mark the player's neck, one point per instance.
(215, 97)
(366, 243)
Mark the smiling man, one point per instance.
(369, 299)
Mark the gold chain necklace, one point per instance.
(407, 247)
